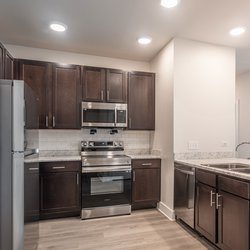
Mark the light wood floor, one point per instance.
(142, 230)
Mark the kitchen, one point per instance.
(176, 102)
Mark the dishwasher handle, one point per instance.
(185, 171)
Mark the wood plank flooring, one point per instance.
(142, 230)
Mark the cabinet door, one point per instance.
(116, 86)
(93, 80)
(38, 75)
(31, 192)
(233, 222)
(205, 211)
(146, 185)
(1, 61)
(59, 192)
(8, 65)
(141, 99)
(66, 97)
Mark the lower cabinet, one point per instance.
(222, 210)
(205, 214)
(59, 189)
(146, 183)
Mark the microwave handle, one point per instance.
(115, 116)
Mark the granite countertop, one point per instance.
(53, 156)
(197, 164)
(144, 156)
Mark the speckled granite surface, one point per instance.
(197, 164)
(63, 155)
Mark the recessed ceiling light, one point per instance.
(237, 31)
(169, 3)
(59, 27)
(144, 40)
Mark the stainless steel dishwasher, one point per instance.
(184, 192)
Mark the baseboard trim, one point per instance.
(166, 211)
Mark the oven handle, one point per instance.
(106, 169)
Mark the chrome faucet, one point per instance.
(242, 143)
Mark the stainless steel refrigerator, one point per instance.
(17, 113)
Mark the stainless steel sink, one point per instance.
(229, 166)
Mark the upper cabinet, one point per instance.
(66, 96)
(6, 64)
(104, 85)
(141, 101)
(58, 88)
(38, 75)
(1, 61)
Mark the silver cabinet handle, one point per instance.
(146, 164)
(102, 96)
(33, 169)
(59, 167)
(108, 95)
(130, 122)
(54, 121)
(47, 121)
(217, 201)
(77, 179)
(211, 198)
(133, 176)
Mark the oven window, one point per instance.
(106, 185)
(99, 115)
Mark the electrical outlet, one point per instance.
(193, 145)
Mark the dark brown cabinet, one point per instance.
(205, 211)
(141, 100)
(233, 213)
(59, 189)
(146, 182)
(58, 88)
(1, 61)
(6, 64)
(31, 192)
(104, 85)
(38, 75)
(222, 210)
(66, 97)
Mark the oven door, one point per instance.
(106, 188)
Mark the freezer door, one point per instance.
(18, 112)
(18, 201)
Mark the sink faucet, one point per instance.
(242, 143)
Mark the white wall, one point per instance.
(243, 97)
(162, 139)
(75, 58)
(204, 96)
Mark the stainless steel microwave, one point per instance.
(107, 115)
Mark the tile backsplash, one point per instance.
(134, 141)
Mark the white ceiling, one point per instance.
(111, 27)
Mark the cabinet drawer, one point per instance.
(63, 166)
(206, 177)
(144, 163)
(234, 186)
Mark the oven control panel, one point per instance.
(102, 144)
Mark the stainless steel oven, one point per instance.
(111, 115)
(106, 180)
